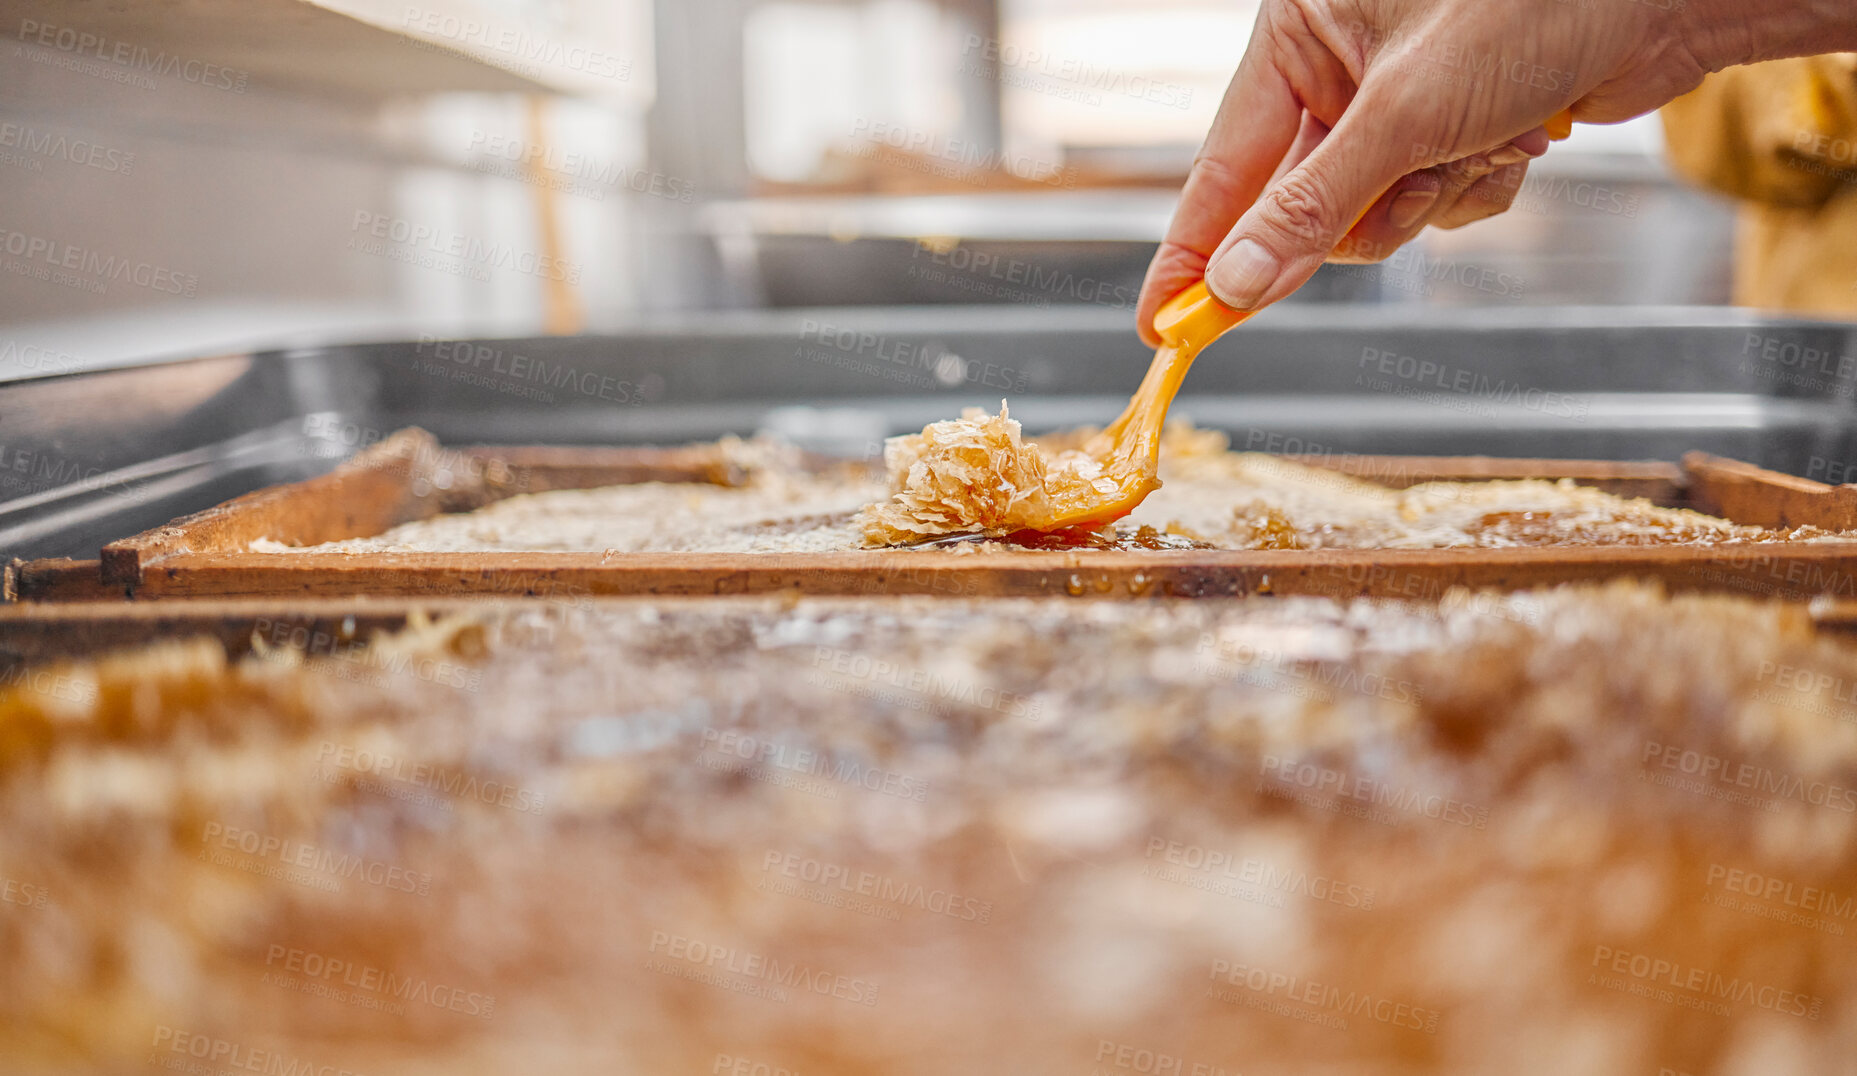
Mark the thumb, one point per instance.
(1286, 235)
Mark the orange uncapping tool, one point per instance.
(1560, 128)
(1129, 450)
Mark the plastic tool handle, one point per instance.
(1560, 128)
(1193, 319)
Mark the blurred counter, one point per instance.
(1585, 229)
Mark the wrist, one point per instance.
(1723, 33)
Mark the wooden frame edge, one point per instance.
(1792, 571)
(387, 483)
(410, 476)
(1749, 494)
(1654, 480)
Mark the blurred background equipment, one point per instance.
(1782, 138)
(187, 176)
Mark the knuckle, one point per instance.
(1470, 169)
(1468, 211)
(1429, 179)
(1508, 182)
(1470, 208)
(1356, 253)
(1214, 178)
(1299, 209)
(1366, 248)
(1498, 192)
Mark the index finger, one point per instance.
(1255, 128)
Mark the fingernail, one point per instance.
(1410, 208)
(1241, 278)
(1508, 155)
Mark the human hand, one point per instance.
(1420, 112)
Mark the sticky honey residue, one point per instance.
(1268, 527)
(978, 486)
(1292, 505)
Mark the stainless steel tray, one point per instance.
(94, 457)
